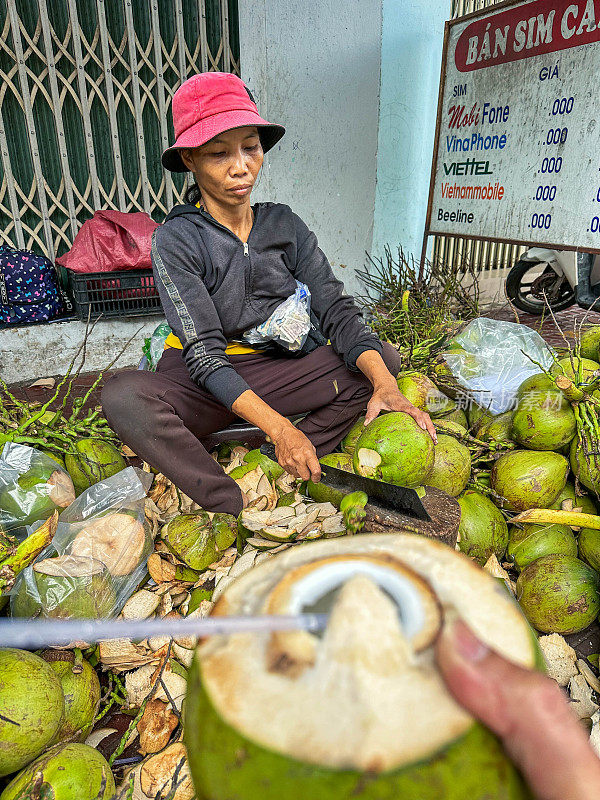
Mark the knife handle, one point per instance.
(268, 449)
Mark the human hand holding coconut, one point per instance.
(386, 395)
(527, 711)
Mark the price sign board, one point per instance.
(517, 150)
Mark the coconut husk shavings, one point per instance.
(560, 658)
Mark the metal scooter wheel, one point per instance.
(531, 288)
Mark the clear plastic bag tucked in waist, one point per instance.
(288, 325)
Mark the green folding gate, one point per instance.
(84, 100)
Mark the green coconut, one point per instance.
(454, 347)
(449, 427)
(65, 587)
(68, 772)
(451, 466)
(422, 392)
(271, 468)
(589, 547)
(589, 342)
(459, 360)
(565, 366)
(482, 530)
(478, 416)
(529, 479)
(466, 363)
(81, 689)
(349, 441)
(374, 662)
(545, 423)
(37, 494)
(393, 448)
(498, 428)
(533, 541)
(586, 469)
(559, 594)
(535, 387)
(442, 371)
(94, 460)
(55, 457)
(584, 502)
(321, 493)
(31, 708)
(458, 416)
(197, 540)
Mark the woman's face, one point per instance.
(227, 166)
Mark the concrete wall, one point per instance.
(411, 54)
(314, 67)
(39, 351)
(356, 84)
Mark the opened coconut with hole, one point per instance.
(361, 709)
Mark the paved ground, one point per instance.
(565, 320)
(41, 394)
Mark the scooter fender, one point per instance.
(563, 262)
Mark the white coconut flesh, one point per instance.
(368, 461)
(69, 567)
(117, 540)
(61, 490)
(367, 694)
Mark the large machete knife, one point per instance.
(386, 495)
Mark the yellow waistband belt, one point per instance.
(232, 349)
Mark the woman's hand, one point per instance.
(295, 452)
(387, 397)
(297, 455)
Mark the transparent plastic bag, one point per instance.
(154, 345)
(32, 487)
(97, 557)
(64, 587)
(497, 359)
(288, 325)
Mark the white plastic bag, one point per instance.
(497, 360)
(288, 325)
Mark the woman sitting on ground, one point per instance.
(223, 267)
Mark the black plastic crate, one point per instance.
(126, 293)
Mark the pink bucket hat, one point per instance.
(209, 104)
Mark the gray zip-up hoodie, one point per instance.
(213, 287)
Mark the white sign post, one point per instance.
(517, 151)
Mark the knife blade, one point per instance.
(387, 495)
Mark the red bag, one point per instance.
(110, 241)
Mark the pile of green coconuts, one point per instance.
(49, 703)
(532, 456)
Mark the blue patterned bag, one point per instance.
(29, 290)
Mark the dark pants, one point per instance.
(162, 415)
